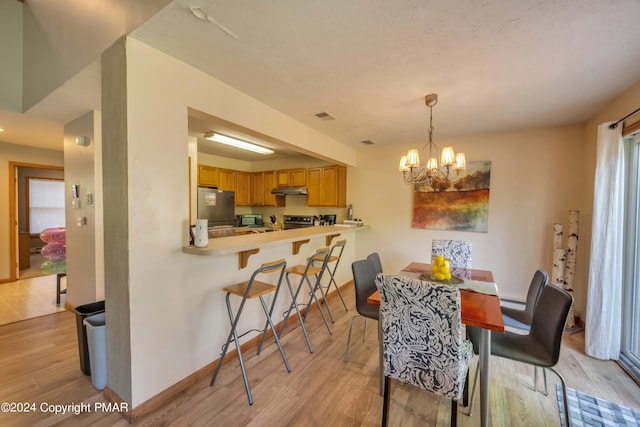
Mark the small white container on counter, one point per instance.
(201, 235)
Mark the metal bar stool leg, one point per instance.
(313, 288)
(335, 285)
(273, 304)
(273, 330)
(294, 306)
(233, 335)
(313, 295)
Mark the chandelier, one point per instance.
(412, 173)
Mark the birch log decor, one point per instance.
(570, 262)
(564, 261)
(557, 272)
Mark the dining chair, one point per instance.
(541, 346)
(520, 319)
(375, 258)
(422, 338)
(364, 279)
(458, 252)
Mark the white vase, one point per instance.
(201, 237)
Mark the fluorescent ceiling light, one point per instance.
(223, 139)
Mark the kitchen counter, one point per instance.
(249, 244)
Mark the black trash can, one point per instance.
(82, 312)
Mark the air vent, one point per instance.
(325, 116)
(367, 142)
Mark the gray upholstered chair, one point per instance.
(364, 279)
(422, 338)
(375, 258)
(541, 346)
(521, 319)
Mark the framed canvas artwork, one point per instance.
(460, 205)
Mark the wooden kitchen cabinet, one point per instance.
(227, 180)
(292, 177)
(257, 189)
(327, 186)
(261, 185)
(243, 188)
(208, 176)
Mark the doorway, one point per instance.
(29, 292)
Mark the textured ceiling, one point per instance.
(495, 64)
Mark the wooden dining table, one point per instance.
(480, 310)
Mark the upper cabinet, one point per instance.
(208, 176)
(327, 186)
(261, 185)
(292, 177)
(227, 179)
(243, 189)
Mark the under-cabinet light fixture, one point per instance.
(223, 139)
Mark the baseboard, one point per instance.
(171, 392)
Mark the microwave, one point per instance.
(250, 220)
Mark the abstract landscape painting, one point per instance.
(462, 205)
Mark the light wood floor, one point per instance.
(39, 363)
(29, 298)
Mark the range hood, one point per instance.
(289, 191)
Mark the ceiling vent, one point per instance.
(367, 142)
(325, 116)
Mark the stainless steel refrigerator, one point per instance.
(216, 206)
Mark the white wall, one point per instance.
(85, 257)
(177, 320)
(11, 48)
(533, 184)
(52, 56)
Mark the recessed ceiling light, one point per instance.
(1, 130)
(223, 139)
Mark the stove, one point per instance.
(297, 221)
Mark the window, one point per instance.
(630, 348)
(45, 204)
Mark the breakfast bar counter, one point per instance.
(248, 244)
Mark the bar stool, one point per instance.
(247, 290)
(305, 272)
(331, 269)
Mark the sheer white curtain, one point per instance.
(604, 302)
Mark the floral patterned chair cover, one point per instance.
(422, 335)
